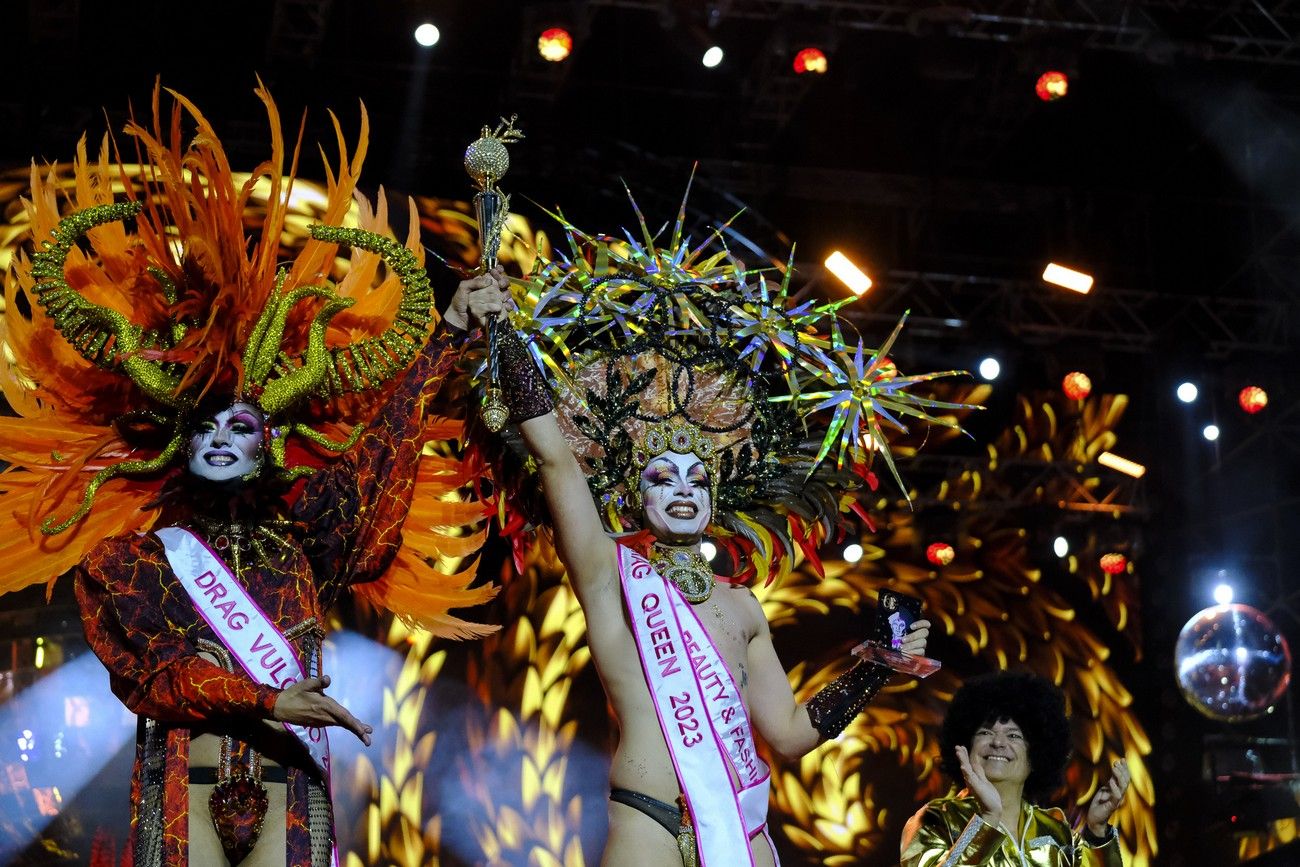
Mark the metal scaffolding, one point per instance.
(1253, 32)
(1123, 320)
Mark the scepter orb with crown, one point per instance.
(486, 161)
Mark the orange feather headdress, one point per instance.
(113, 331)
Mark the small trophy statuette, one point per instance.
(486, 162)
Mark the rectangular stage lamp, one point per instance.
(1123, 465)
(1067, 278)
(840, 265)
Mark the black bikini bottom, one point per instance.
(667, 815)
(208, 776)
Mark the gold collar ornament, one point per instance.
(687, 569)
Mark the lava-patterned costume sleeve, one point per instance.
(135, 617)
(353, 511)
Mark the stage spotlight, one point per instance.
(990, 368)
(851, 275)
(810, 60)
(1223, 594)
(1061, 546)
(1123, 465)
(1210, 432)
(1052, 85)
(709, 550)
(712, 57)
(1076, 385)
(852, 552)
(427, 35)
(940, 553)
(1187, 392)
(555, 44)
(1067, 278)
(1113, 563)
(1252, 399)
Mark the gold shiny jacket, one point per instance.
(948, 832)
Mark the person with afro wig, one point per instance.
(1007, 738)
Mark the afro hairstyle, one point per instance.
(1033, 703)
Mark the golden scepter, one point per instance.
(487, 161)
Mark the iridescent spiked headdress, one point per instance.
(641, 340)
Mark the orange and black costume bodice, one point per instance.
(344, 528)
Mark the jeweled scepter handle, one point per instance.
(487, 161)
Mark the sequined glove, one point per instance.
(834, 707)
(526, 393)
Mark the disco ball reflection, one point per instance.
(1232, 663)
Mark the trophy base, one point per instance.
(906, 663)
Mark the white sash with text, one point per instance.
(701, 714)
(243, 627)
(241, 624)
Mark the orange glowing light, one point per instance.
(1252, 399)
(1076, 385)
(1113, 564)
(851, 275)
(1122, 465)
(940, 553)
(1052, 85)
(811, 60)
(554, 44)
(1067, 278)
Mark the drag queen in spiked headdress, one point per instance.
(694, 397)
(220, 443)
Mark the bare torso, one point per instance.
(641, 760)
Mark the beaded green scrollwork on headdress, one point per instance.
(271, 378)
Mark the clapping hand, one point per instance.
(972, 771)
(1108, 798)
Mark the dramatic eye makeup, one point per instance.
(658, 473)
(245, 422)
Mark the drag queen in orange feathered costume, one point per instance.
(171, 376)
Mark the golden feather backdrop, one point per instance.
(538, 729)
(493, 752)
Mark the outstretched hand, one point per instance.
(972, 771)
(1108, 798)
(306, 704)
(478, 299)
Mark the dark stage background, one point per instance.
(1170, 171)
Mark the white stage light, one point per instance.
(1061, 546)
(1210, 432)
(427, 35)
(1223, 594)
(709, 550)
(990, 368)
(852, 552)
(712, 57)
(1187, 392)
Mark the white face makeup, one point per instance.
(675, 498)
(226, 445)
(1003, 750)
